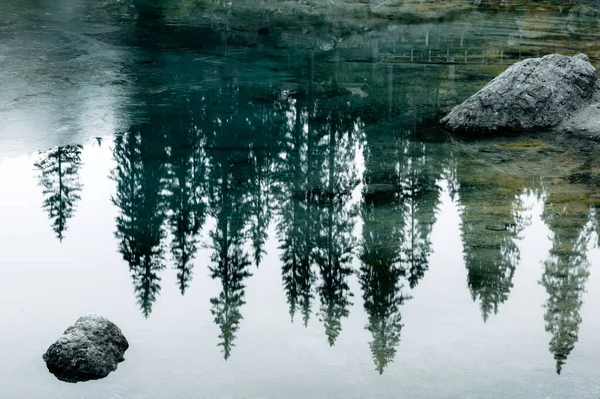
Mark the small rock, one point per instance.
(88, 350)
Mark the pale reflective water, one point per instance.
(268, 217)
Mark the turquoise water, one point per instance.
(271, 217)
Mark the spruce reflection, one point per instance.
(230, 262)
(400, 200)
(566, 272)
(264, 131)
(59, 176)
(233, 185)
(399, 209)
(296, 229)
(140, 176)
(318, 214)
(186, 187)
(492, 221)
(420, 195)
(380, 277)
(382, 270)
(336, 176)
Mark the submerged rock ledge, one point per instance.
(88, 350)
(536, 93)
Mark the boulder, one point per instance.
(88, 350)
(536, 93)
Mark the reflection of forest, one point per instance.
(314, 162)
(249, 158)
(492, 178)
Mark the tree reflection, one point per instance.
(336, 213)
(420, 198)
(264, 130)
(59, 176)
(380, 276)
(316, 229)
(230, 181)
(140, 176)
(297, 229)
(186, 187)
(400, 202)
(492, 221)
(565, 274)
(230, 262)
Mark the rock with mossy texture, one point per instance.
(536, 93)
(88, 350)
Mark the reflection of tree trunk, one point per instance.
(390, 89)
(375, 62)
(60, 186)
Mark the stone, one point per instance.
(585, 123)
(534, 94)
(88, 350)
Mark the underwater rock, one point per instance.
(535, 93)
(88, 350)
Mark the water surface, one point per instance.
(270, 215)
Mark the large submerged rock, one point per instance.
(88, 350)
(535, 93)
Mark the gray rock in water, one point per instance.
(535, 93)
(88, 350)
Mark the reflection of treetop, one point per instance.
(565, 275)
(140, 177)
(491, 223)
(58, 174)
(186, 188)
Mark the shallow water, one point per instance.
(279, 216)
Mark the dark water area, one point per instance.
(275, 213)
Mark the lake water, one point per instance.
(276, 214)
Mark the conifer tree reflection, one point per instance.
(296, 230)
(230, 262)
(399, 207)
(491, 224)
(380, 276)
(186, 189)
(230, 186)
(59, 176)
(265, 130)
(140, 176)
(261, 206)
(317, 212)
(565, 274)
(337, 134)
(420, 198)
(381, 270)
